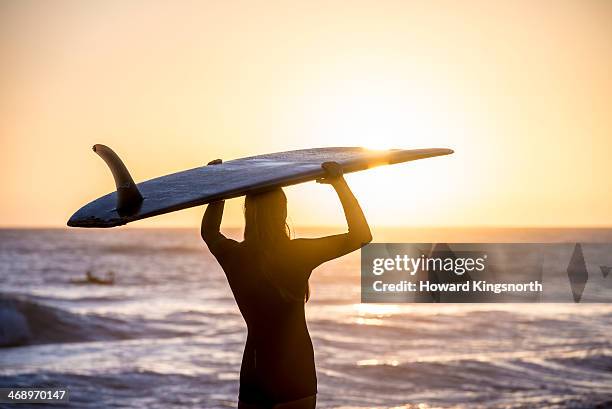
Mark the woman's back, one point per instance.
(278, 362)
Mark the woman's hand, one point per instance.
(211, 222)
(333, 175)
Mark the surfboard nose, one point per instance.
(128, 195)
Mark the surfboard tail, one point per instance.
(128, 195)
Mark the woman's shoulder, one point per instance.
(226, 248)
(300, 247)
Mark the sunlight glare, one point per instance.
(379, 114)
(377, 309)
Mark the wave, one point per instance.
(133, 388)
(24, 321)
(143, 250)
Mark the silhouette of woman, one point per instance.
(268, 274)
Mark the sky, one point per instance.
(521, 90)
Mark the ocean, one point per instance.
(168, 334)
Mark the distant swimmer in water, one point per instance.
(268, 273)
(92, 279)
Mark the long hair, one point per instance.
(265, 217)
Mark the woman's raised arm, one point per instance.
(330, 247)
(358, 228)
(211, 224)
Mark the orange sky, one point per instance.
(521, 90)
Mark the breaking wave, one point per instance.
(25, 321)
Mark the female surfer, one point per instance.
(268, 273)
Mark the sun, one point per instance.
(377, 116)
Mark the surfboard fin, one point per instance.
(128, 195)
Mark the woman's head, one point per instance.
(266, 224)
(266, 216)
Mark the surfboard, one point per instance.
(234, 178)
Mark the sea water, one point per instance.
(168, 334)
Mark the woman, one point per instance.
(268, 274)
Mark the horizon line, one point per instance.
(322, 226)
